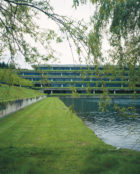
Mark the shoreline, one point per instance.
(48, 137)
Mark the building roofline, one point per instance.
(63, 65)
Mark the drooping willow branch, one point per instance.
(13, 23)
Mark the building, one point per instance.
(82, 79)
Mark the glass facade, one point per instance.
(79, 77)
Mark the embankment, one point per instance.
(47, 137)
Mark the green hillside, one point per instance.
(12, 93)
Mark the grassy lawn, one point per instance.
(48, 138)
(13, 93)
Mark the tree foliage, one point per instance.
(121, 19)
(10, 77)
(17, 22)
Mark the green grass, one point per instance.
(12, 93)
(48, 138)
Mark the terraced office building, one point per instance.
(83, 79)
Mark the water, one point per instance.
(118, 129)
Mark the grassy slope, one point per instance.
(47, 138)
(13, 92)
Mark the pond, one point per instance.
(118, 129)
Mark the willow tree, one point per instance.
(121, 20)
(17, 22)
(119, 17)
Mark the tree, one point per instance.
(17, 22)
(10, 77)
(121, 19)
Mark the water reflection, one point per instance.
(110, 126)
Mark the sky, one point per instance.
(63, 7)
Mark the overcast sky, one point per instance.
(63, 7)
